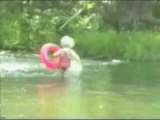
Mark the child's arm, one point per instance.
(75, 56)
(57, 53)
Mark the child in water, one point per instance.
(70, 61)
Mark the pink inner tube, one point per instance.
(54, 63)
(45, 49)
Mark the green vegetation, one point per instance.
(101, 30)
(138, 45)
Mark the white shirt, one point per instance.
(75, 65)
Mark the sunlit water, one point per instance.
(102, 90)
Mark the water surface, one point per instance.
(102, 90)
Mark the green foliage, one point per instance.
(135, 46)
(33, 24)
(27, 25)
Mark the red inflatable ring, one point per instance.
(55, 63)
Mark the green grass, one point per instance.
(136, 46)
(106, 45)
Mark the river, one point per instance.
(102, 90)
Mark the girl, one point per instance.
(70, 61)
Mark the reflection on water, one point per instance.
(46, 98)
(128, 90)
(58, 97)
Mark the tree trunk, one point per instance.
(131, 13)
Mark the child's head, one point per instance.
(67, 41)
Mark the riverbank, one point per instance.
(133, 46)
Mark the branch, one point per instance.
(70, 19)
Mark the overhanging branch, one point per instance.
(71, 18)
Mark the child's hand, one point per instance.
(56, 53)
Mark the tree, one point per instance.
(128, 14)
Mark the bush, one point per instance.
(135, 46)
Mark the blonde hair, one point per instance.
(67, 41)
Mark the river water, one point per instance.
(102, 90)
